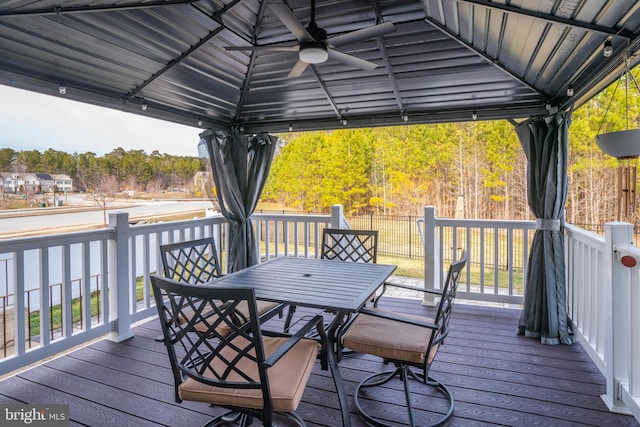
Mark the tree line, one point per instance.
(393, 170)
(399, 170)
(131, 170)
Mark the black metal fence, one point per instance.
(397, 234)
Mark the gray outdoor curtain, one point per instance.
(239, 166)
(544, 141)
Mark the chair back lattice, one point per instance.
(193, 261)
(447, 299)
(192, 318)
(350, 245)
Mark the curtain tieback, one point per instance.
(547, 224)
(240, 220)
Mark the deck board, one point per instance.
(496, 377)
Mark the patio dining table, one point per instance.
(340, 287)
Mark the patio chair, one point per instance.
(196, 262)
(350, 245)
(246, 371)
(409, 342)
(191, 261)
(344, 245)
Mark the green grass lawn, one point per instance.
(415, 268)
(55, 312)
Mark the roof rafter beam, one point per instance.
(218, 19)
(392, 79)
(387, 64)
(326, 91)
(252, 61)
(478, 52)
(59, 10)
(185, 54)
(551, 18)
(357, 121)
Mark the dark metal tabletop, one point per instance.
(328, 284)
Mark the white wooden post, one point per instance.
(119, 277)
(45, 321)
(337, 217)
(67, 294)
(618, 316)
(20, 332)
(432, 265)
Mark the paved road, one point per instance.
(30, 220)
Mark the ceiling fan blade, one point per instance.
(287, 17)
(363, 34)
(351, 60)
(297, 69)
(265, 48)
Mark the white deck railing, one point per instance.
(603, 281)
(70, 274)
(603, 295)
(624, 375)
(290, 235)
(586, 266)
(42, 270)
(498, 252)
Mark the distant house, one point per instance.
(63, 182)
(14, 182)
(45, 182)
(10, 182)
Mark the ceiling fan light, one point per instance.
(313, 54)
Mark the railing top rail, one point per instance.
(487, 223)
(585, 236)
(219, 219)
(176, 225)
(53, 240)
(291, 217)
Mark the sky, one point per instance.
(31, 121)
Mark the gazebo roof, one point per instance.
(444, 60)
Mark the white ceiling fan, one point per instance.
(313, 45)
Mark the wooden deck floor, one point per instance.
(497, 378)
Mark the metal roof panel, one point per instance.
(503, 59)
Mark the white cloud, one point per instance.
(31, 121)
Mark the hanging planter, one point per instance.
(623, 144)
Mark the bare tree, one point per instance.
(154, 186)
(102, 189)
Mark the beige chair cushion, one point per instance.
(287, 378)
(390, 339)
(262, 306)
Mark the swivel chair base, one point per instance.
(405, 373)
